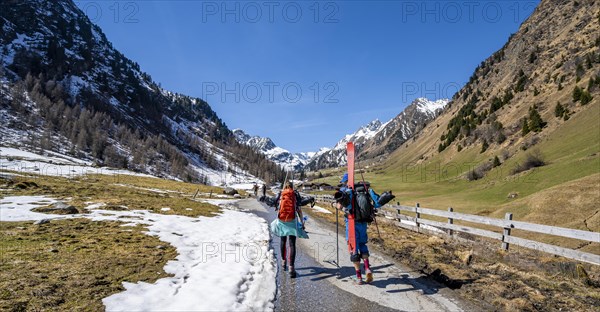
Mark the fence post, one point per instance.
(417, 216)
(450, 221)
(506, 232)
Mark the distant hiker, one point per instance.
(255, 189)
(264, 190)
(366, 202)
(289, 223)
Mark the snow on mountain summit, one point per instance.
(376, 138)
(362, 134)
(428, 106)
(273, 152)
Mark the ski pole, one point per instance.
(337, 238)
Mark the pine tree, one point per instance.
(496, 162)
(485, 146)
(535, 120)
(585, 97)
(559, 110)
(525, 126)
(577, 94)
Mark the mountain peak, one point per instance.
(373, 125)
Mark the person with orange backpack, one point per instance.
(289, 223)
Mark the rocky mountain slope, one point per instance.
(64, 81)
(522, 136)
(547, 72)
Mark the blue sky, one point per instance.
(306, 73)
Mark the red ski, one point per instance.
(351, 233)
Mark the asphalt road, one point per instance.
(322, 286)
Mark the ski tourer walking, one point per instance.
(359, 203)
(289, 223)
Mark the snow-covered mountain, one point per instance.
(67, 89)
(376, 138)
(278, 155)
(403, 127)
(336, 156)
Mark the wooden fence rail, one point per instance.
(416, 223)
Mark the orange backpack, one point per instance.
(287, 206)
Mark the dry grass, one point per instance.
(521, 279)
(118, 192)
(70, 265)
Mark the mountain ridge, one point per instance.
(280, 156)
(376, 138)
(51, 52)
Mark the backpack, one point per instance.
(287, 205)
(363, 203)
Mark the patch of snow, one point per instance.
(218, 202)
(36, 164)
(320, 209)
(18, 208)
(431, 107)
(224, 262)
(92, 206)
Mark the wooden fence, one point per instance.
(418, 224)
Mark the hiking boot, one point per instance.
(292, 272)
(357, 280)
(369, 276)
(284, 266)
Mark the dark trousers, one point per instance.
(292, 256)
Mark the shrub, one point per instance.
(521, 81)
(473, 176)
(530, 142)
(533, 160)
(579, 70)
(479, 172)
(500, 138)
(532, 57)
